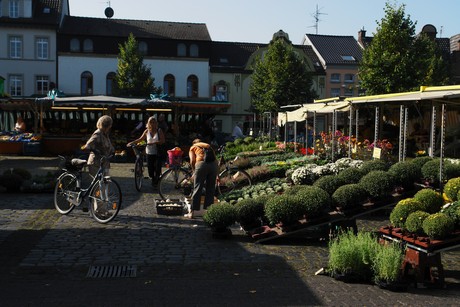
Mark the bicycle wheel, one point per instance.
(105, 200)
(138, 174)
(66, 188)
(175, 184)
(231, 179)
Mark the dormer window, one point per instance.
(223, 60)
(348, 58)
(143, 48)
(46, 10)
(14, 8)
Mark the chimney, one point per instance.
(361, 35)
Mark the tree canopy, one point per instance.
(397, 60)
(280, 78)
(133, 77)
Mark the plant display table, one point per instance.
(423, 255)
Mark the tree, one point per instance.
(133, 78)
(397, 60)
(280, 78)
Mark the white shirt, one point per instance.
(152, 149)
(237, 132)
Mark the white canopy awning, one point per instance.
(302, 113)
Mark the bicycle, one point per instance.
(176, 182)
(104, 193)
(138, 165)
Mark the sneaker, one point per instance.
(84, 209)
(189, 215)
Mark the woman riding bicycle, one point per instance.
(153, 136)
(204, 174)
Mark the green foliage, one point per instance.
(420, 161)
(373, 165)
(283, 209)
(23, 173)
(249, 210)
(249, 140)
(220, 215)
(438, 226)
(313, 200)
(133, 78)
(414, 222)
(280, 78)
(387, 263)
(349, 195)
(431, 200)
(328, 183)
(405, 174)
(350, 253)
(452, 188)
(430, 170)
(453, 211)
(351, 175)
(402, 210)
(377, 184)
(398, 60)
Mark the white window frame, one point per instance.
(14, 9)
(15, 85)
(335, 80)
(15, 44)
(42, 46)
(42, 84)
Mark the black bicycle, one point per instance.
(139, 165)
(103, 192)
(177, 182)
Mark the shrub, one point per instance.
(432, 201)
(12, 182)
(350, 253)
(328, 183)
(313, 200)
(349, 195)
(373, 165)
(351, 175)
(453, 211)
(294, 189)
(220, 215)
(23, 173)
(402, 210)
(438, 226)
(420, 161)
(452, 169)
(248, 211)
(405, 174)
(414, 222)
(452, 188)
(248, 140)
(387, 263)
(283, 209)
(430, 170)
(377, 184)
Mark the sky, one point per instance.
(256, 21)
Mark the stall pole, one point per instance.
(401, 132)
(433, 132)
(314, 132)
(306, 133)
(295, 136)
(334, 129)
(350, 128)
(285, 131)
(406, 124)
(357, 123)
(442, 148)
(376, 126)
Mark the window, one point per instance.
(181, 50)
(15, 85)
(221, 91)
(349, 78)
(14, 8)
(348, 58)
(86, 83)
(335, 78)
(42, 85)
(109, 83)
(1, 12)
(15, 47)
(87, 45)
(194, 50)
(335, 92)
(348, 91)
(143, 48)
(192, 86)
(74, 45)
(42, 48)
(169, 85)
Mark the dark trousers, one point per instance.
(205, 177)
(154, 167)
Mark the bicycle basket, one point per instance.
(175, 156)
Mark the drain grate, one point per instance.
(98, 271)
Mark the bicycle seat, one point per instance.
(79, 163)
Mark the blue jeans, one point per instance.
(204, 177)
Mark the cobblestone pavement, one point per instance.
(45, 259)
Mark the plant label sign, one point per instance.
(377, 153)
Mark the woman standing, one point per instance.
(153, 136)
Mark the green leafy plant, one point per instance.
(453, 211)
(350, 175)
(373, 165)
(402, 210)
(420, 161)
(313, 200)
(414, 222)
(249, 211)
(452, 188)
(283, 209)
(25, 174)
(438, 225)
(431, 200)
(405, 174)
(430, 170)
(387, 263)
(377, 184)
(220, 215)
(349, 196)
(328, 183)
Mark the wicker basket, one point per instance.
(169, 207)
